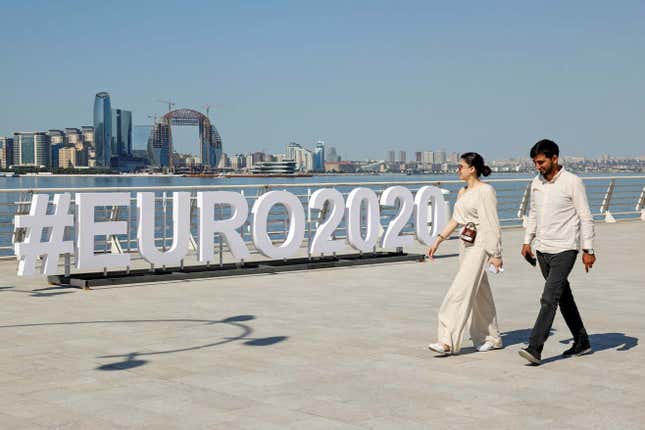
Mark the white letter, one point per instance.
(146, 229)
(425, 196)
(353, 204)
(88, 229)
(226, 227)
(322, 242)
(296, 234)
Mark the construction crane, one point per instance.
(153, 117)
(208, 108)
(170, 103)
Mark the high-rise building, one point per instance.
(88, 135)
(6, 152)
(73, 137)
(159, 145)
(253, 158)
(390, 156)
(56, 142)
(292, 149)
(56, 137)
(319, 157)
(303, 157)
(67, 157)
(331, 156)
(88, 145)
(31, 149)
(140, 135)
(238, 161)
(418, 157)
(427, 157)
(440, 157)
(103, 129)
(403, 156)
(121, 133)
(224, 161)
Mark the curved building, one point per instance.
(160, 147)
(103, 129)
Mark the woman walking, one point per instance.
(480, 247)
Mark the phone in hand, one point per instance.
(531, 260)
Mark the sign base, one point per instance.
(99, 279)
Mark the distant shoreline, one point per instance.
(314, 175)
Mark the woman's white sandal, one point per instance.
(439, 348)
(487, 346)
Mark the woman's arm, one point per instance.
(444, 235)
(489, 222)
(448, 229)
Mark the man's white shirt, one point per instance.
(559, 217)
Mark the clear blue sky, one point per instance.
(366, 77)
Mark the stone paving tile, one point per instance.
(353, 352)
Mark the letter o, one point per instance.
(430, 196)
(296, 234)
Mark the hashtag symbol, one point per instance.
(38, 219)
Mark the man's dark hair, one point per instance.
(547, 147)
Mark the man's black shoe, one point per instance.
(578, 348)
(530, 355)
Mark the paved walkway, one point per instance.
(325, 349)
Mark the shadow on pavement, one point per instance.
(132, 359)
(600, 342)
(38, 292)
(516, 337)
(604, 341)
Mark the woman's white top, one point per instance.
(479, 206)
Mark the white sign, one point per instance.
(415, 208)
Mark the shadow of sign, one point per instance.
(37, 292)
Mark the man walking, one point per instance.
(560, 223)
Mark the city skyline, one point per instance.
(492, 78)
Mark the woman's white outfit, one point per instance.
(470, 294)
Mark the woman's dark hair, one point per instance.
(475, 160)
(547, 147)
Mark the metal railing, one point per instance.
(611, 199)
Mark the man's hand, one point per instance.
(588, 260)
(526, 250)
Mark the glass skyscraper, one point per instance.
(140, 135)
(121, 132)
(319, 157)
(103, 129)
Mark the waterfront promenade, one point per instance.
(323, 349)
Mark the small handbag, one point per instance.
(469, 233)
